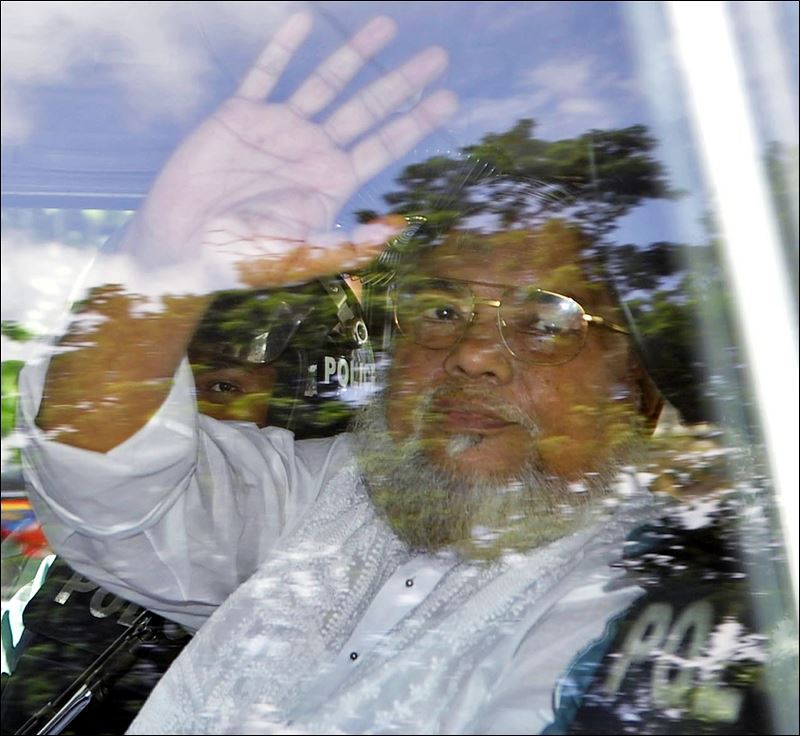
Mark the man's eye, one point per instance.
(224, 387)
(440, 312)
(540, 327)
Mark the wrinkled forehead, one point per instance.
(550, 258)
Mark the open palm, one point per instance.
(262, 183)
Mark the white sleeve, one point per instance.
(179, 515)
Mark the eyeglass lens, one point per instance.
(536, 325)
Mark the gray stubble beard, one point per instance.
(431, 507)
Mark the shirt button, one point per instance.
(409, 582)
(354, 656)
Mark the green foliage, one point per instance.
(685, 336)
(15, 331)
(10, 393)
(645, 269)
(520, 180)
(781, 163)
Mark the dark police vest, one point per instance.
(70, 624)
(700, 651)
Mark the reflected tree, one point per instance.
(515, 180)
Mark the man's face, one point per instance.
(479, 411)
(232, 390)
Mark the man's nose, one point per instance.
(481, 354)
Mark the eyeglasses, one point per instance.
(536, 326)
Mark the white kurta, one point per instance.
(182, 513)
(340, 628)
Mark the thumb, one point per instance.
(322, 254)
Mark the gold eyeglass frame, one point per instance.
(589, 319)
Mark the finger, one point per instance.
(320, 256)
(332, 76)
(398, 137)
(259, 81)
(365, 243)
(375, 102)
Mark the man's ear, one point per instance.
(651, 402)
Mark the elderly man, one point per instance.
(436, 571)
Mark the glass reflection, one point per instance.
(494, 486)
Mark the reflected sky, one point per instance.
(104, 91)
(126, 75)
(565, 63)
(96, 95)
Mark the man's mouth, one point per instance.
(457, 416)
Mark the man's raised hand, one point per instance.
(257, 187)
